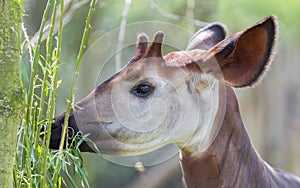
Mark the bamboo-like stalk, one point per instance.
(35, 61)
(54, 85)
(51, 101)
(48, 59)
(79, 58)
(30, 97)
(36, 165)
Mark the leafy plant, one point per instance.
(36, 165)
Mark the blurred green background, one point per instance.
(271, 111)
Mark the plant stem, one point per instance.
(48, 60)
(54, 85)
(51, 102)
(79, 58)
(35, 61)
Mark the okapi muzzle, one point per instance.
(56, 131)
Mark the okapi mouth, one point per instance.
(56, 132)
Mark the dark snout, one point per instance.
(56, 132)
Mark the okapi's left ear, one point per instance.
(246, 56)
(207, 37)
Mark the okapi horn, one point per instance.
(155, 48)
(141, 47)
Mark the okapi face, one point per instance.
(155, 100)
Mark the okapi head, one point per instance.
(156, 100)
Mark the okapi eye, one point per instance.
(142, 89)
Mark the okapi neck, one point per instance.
(223, 159)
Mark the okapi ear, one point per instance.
(207, 37)
(155, 48)
(140, 47)
(200, 42)
(245, 57)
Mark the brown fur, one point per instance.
(141, 47)
(154, 49)
(245, 57)
(231, 160)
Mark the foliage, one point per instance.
(36, 165)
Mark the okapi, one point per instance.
(200, 112)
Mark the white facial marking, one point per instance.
(206, 92)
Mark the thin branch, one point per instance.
(122, 33)
(165, 14)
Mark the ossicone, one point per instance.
(140, 48)
(155, 48)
